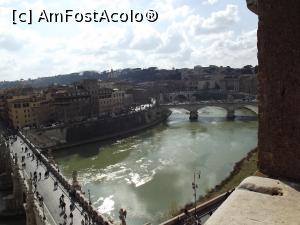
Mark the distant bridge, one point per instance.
(187, 96)
(188, 100)
(229, 105)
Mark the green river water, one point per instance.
(151, 172)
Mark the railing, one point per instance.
(201, 210)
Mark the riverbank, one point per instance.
(242, 169)
(101, 130)
(246, 167)
(115, 136)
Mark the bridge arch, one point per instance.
(204, 109)
(180, 98)
(250, 108)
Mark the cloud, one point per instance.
(222, 19)
(171, 43)
(182, 37)
(229, 49)
(9, 43)
(209, 2)
(218, 21)
(145, 38)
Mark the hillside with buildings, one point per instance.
(77, 97)
(73, 101)
(133, 75)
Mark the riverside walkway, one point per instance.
(45, 187)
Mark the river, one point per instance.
(151, 173)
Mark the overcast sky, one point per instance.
(187, 33)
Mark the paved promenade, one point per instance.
(45, 187)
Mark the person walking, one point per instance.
(64, 206)
(62, 197)
(41, 199)
(60, 203)
(55, 185)
(71, 206)
(71, 216)
(85, 218)
(65, 218)
(35, 178)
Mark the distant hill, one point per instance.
(134, 75)
(65, 79)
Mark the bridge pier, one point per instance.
(230, 114)
(193, 115)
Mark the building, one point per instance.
(92, 87)
(139, 95)
(71, 104)
(3, 107)
(111, 101)
(28, 111)
(248, 84)
(203, 83)
(229, 83)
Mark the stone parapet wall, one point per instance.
(262, 201)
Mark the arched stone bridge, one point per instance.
(229, 106)
(187, 96)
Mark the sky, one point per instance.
(186, 33)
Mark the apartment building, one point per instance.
(71, 104)
(28, 111)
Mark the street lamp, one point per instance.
(195, 186)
